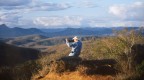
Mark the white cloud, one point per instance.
(12, 12)
(128, 23)
(88, 4)
(131, 12)
(9, 18)
(58, 21)
(109, 22)
(37, 7)
(49, 6)
(119, 11)
(14, 2)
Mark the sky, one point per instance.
(71, 13)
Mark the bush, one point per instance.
(140, 69)
(19, 72)
(120, 48)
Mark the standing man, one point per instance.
(76, 46)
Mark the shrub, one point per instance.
(82, 69)
(120, 46)
(140, 69)
(19, 72)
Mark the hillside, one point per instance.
(41, 42)
(11, 55)
(22, 40)
(118, 57)
(120, 48)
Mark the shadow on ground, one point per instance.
(102, 67)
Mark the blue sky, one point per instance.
(71, 13)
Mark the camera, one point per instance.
(70, 40)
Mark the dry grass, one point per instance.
(75, 76)
(118, 48)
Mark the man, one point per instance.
(76, 46)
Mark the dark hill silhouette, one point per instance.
(6, 32)
(12, 55)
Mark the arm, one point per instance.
(69, 44)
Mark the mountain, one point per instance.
(6, 32)
(52, 30)
(83, 32)
(11, 55)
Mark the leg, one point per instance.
(71, 54)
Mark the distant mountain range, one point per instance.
(84, 32)
(6, 32)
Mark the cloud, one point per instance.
(14, 2)
(131, 12)
(58, 21)
(38, 7)
(119, 11)
(128, 23)
(85, 4)
(88, 4)
(10, 18)
(110, 22)
(50, 6)
(12, 11)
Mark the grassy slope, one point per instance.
(89, 52)
(12, 55)
(107, 48)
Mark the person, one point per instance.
(76, 46)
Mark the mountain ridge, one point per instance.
(6, 32)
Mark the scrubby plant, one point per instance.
(19, 72)
(140, 69)
(119, 47)
(82, 69)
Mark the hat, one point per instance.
(75, 37)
